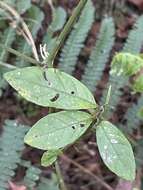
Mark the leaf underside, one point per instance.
(58, 130)
(115, 150)
(50, 88)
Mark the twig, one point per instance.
(15, 14)
(51, 4)
(21, 55)
(99, 180)
(65, 32)
(60, 177)
(7, 65)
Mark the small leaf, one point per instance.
(50, 88)
(58, 130)
(115, 150)
(126, 64)
(49, 157)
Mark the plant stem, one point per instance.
(7, 65)
(26, 30)
(76, 13)
(85, 170)
(60, 177)
(21, 55)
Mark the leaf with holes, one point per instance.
(50, 88)
(49, 157)
(58, 130)
(115, 150)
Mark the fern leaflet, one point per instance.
(75, 42)
(100, 54)
(11, 146)
(118, 82)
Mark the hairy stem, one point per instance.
(76, 13)
(60, 177)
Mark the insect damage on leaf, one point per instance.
(58, 130)
(55, 98)
(51, 88)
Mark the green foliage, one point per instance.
(132, 45)
(49, 157)
(31, 177)
(128, 64)
(75, 42)
(23, 5)
(100, 54)
(48, 132)
(7, 38)
(11, 146)
(35, 16)
(59, 17)
(50, 88)
(115, 150)
(48, 184)
(134, 41)
(133, 116)
(58, 130)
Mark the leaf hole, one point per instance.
(72, 92)
(73, 127)
(55, 98)
(82, 125)
(45, 77)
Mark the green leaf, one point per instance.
(51, 88)
(49, 157)
(115, 150)
(58, 130)
(23, 5)
(126, 64)
(138, 83)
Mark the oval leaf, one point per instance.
(115, 150)
(49, 157)
(51, 88)
(58, 130)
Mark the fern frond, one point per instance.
(132, 45)
(132, 117)
(135, 39)
(11, 146)
(75, 42)
(100, 54)
(59, 17)
(49, 184)
(36, 16)
(31, 177)
(7, 39)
